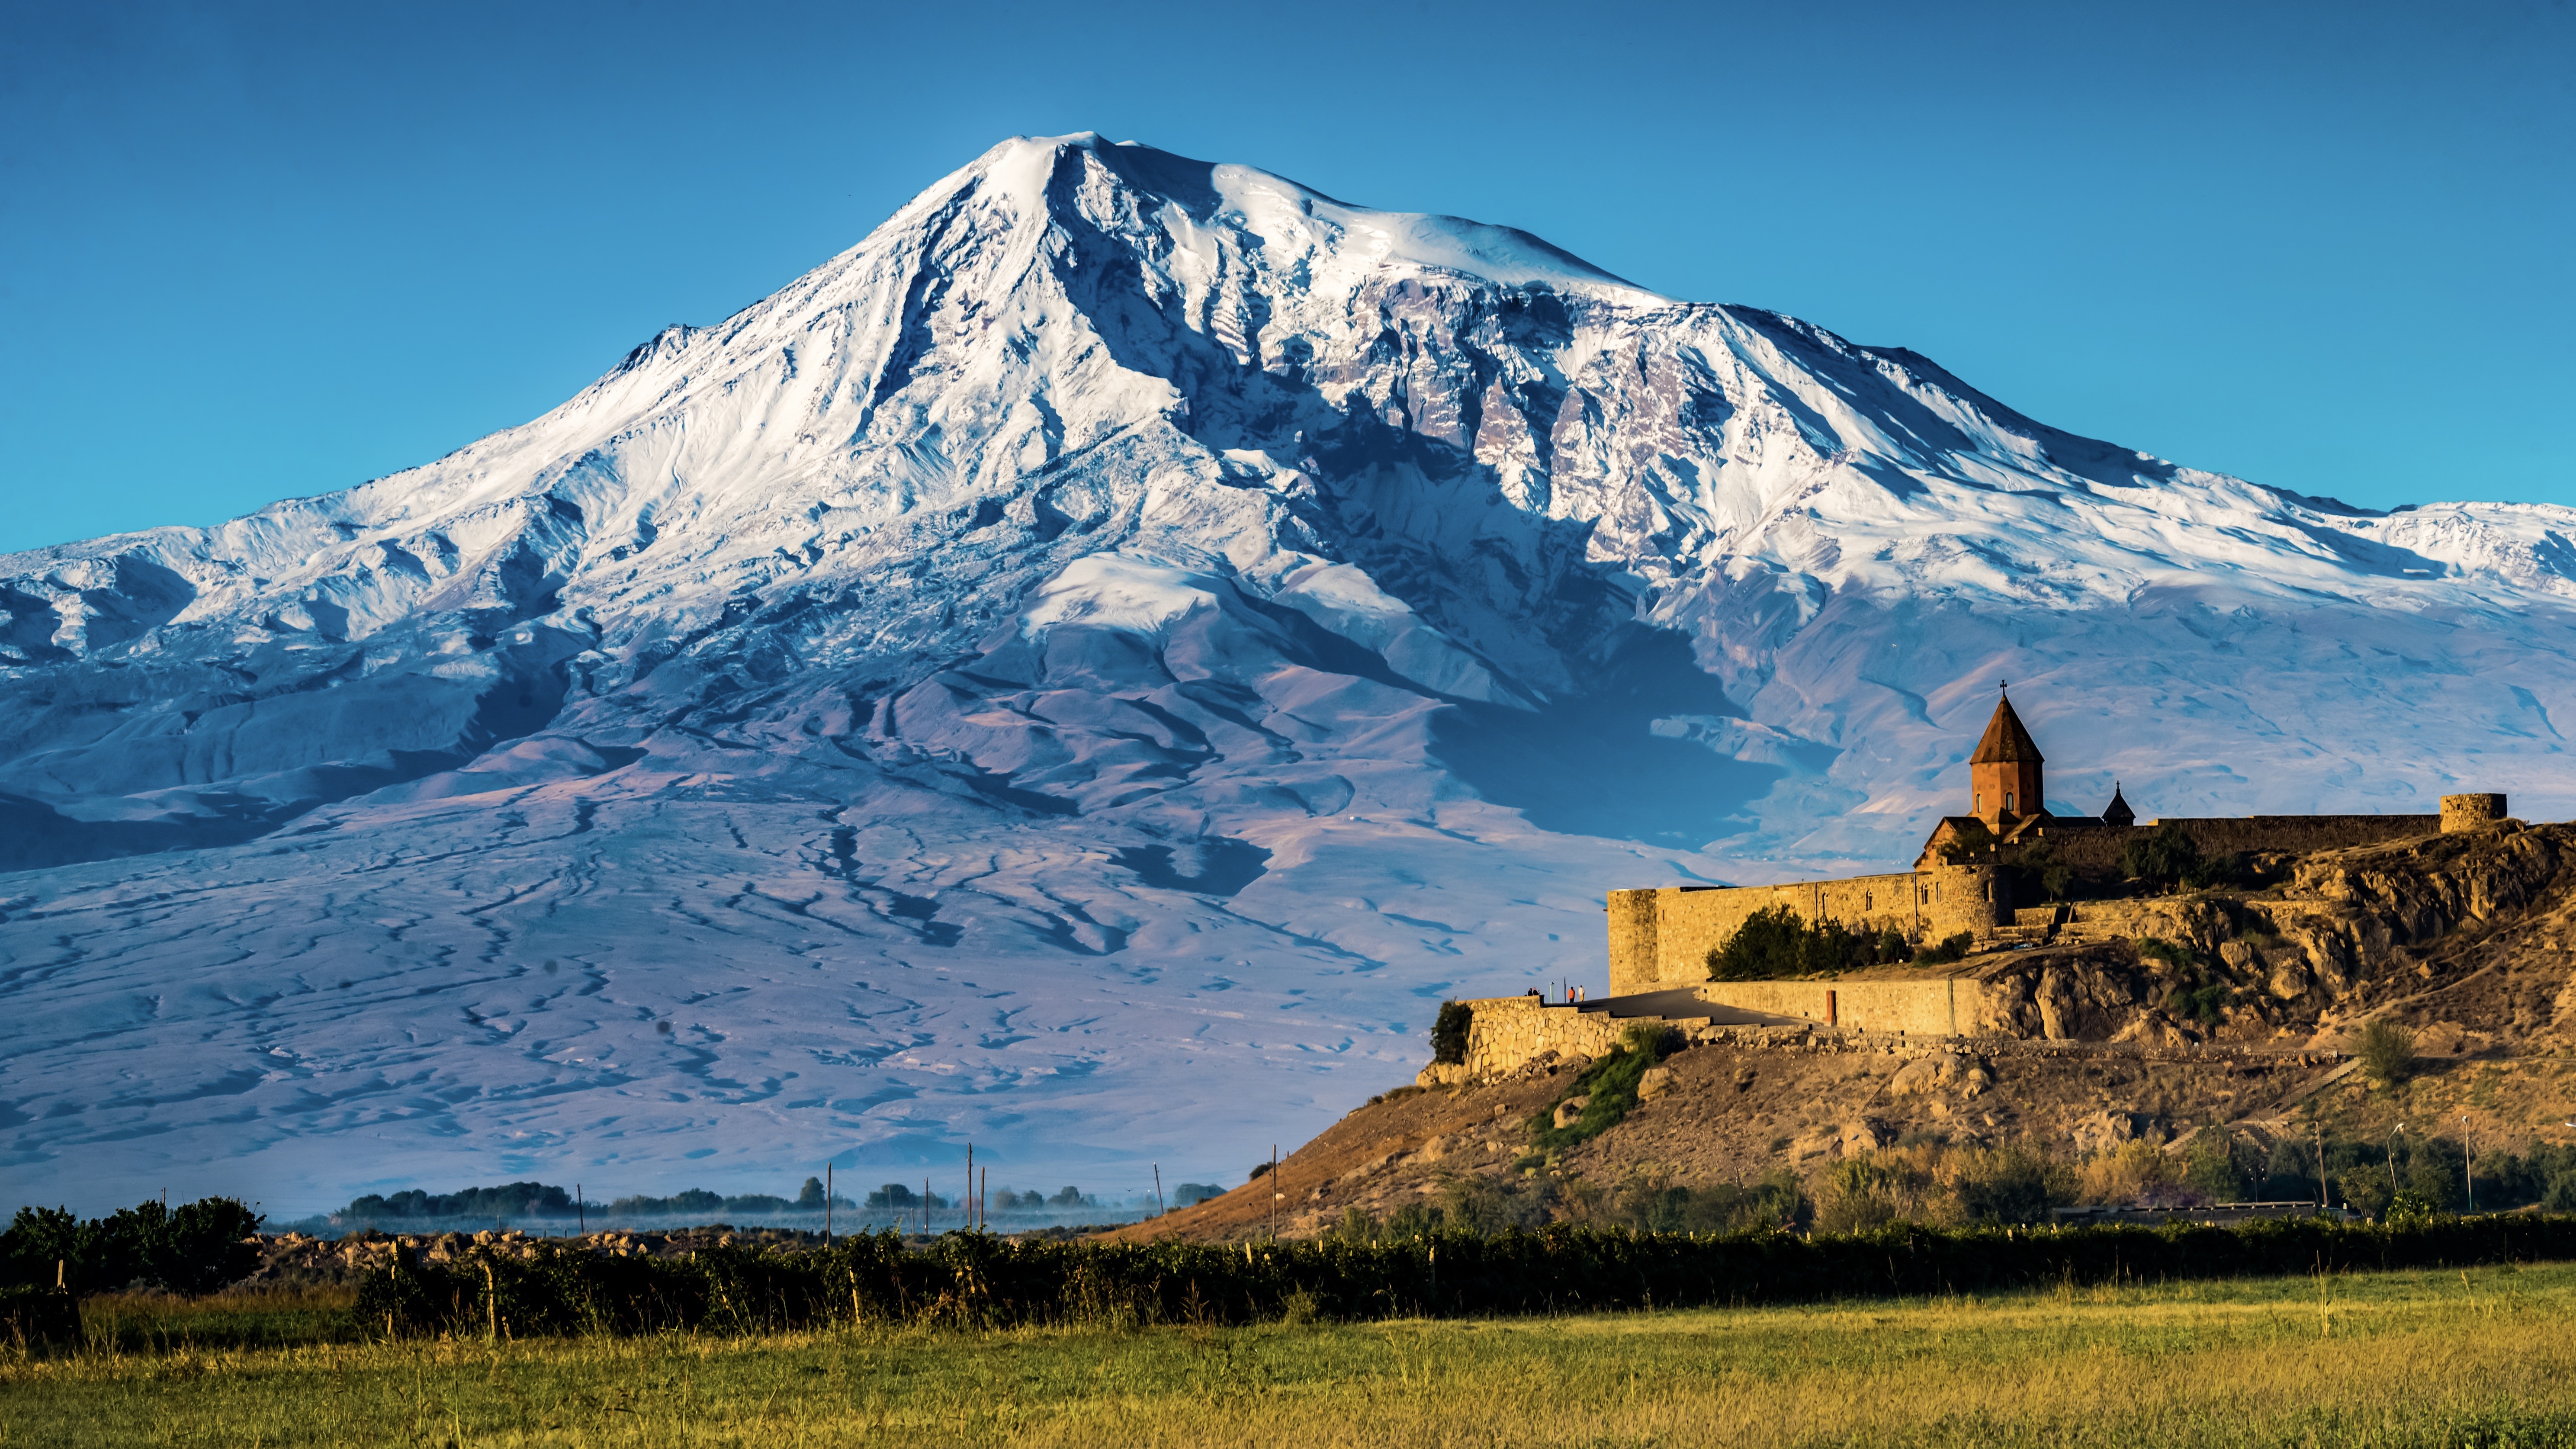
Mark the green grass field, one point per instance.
(2484, 1357)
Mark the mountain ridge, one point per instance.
(1103, 502)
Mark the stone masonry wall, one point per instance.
(2468, 812)
(1505, 1033)
(1661, 938)
(1943, 1006)
(2094, 849)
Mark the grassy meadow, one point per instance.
(2481, 1357)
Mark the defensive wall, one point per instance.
(2093, 848)
(1504, 1033)
(1661, 938)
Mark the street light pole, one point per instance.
(2468, 1159)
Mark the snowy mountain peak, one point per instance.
(1208, 619)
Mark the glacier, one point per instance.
(1086, 671)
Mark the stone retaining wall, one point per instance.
(1942, 1006)
(1504, 1032)
(1508, 1033)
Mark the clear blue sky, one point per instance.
(249, 252)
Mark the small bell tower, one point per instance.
(2004, 773)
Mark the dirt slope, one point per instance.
(2470, 940)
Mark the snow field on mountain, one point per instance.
(1086, 670)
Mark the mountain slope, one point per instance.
(1125, 612)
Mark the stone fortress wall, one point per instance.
(1660, 938)
(1506, 1033)
(2094, 848)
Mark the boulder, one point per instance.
(2109, 1128)
(1923, 1074)
(1655, 1083)
(1571, 1109)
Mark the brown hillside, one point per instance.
(2469, 939)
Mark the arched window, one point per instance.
(2008, 801)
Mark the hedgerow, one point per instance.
(196, 1248)
(979, 1280)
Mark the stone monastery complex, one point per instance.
(1968, 878)
(1963, 879)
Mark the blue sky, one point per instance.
(250, 252)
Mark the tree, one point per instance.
(2387, 1052)
(1449, 1033)
(1766, 947)
(2039, 866)
(1774, 944)
(811, 1195)
(2163, 855)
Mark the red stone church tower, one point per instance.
(2004, 772)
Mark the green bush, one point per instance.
(1449, 1032)
(30, 1314)
(2411, 1210)
(1774, 944)
(1610, 1083)
(2197, 997)
(1772, 1203)
(2204, 1003)
(2039, 867)
(2162, 855)
(2013, 1183)
(2387, 1052)
(2216, 870)
(2157, 948)
(197, 1248)
(1951, 948)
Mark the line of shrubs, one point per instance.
(978, 1280)
(50, 1258)
(197, 1247)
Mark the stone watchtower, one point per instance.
(2004, 772)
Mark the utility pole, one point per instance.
(2468, 1154)
(580, 1213)
(1158, 1190)
(969, 1203)
(2320, 1132)
(827, 1204)
(1275, 1193)
(2392, 1160)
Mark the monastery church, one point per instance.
(1965, 878)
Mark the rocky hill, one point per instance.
(2236, 1021)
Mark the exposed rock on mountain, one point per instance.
(1215, 618)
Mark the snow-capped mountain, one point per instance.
(1085, 669)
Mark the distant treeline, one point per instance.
(980, 1280)
(523, 1200)
(543, 1200)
